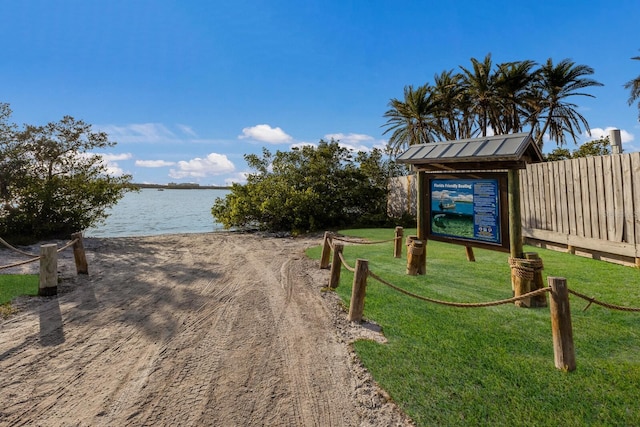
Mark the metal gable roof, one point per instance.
(513, 150)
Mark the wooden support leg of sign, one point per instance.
(470, 256)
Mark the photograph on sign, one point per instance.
(466, 209)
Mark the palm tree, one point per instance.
(454, 119)
(634, 87)
(479, 83)
(554, 85)
(514, 92)
(411, 120)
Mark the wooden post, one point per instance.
(470, 256)
(563, 348)
(537, 283)
(356, 308)
(515, 220)
(397, 244)
(571, 249)
(79, 254)
(521, 280)
(326, 250)
(48, 270)
(422, 218)
(336, 265)
(414, 257)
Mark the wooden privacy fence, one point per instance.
(590, 203)
(562, 331)
(48, 258)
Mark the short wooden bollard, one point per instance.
(397, 244)
(563, 348)
(48, 270)
(356, 307)
(414, 257)
(79, 254)
(526, 276)
(326, 250)
(336, 266)
(537, 283)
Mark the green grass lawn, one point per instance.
(495, 366)
(13, 285)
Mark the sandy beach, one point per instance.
(220, 329)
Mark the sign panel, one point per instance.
(466, 209)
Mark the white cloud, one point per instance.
(139, 132)
(187, 130)
(597, 133)
(116, 157)
(109, 161)
(238, 178)
(153, 163)
(265, 133)
(213, 164)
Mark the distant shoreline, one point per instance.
(182, 186)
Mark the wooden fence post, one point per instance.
(563, 348)
(48, 270)
(336, 265)
(415, 254)
(79, 254)
(356, 307)
(326, 250)
(397, 244)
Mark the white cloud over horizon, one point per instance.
(153, 163)
(265, 133)
(213, 164)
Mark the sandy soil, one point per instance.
(219, 329)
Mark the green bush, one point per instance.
(308, 188)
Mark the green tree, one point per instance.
(411, 120)
(553, 113)
(634, 87)
(308, 188)
(63, 187)
(595, 147)
(480, 85)
(558, 153)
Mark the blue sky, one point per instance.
(187, 88)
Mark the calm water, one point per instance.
(151, 212)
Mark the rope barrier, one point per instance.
(351, 269)
(459, 304)
(4, 242)
(16, 264)
(71, 243)
(34, 257)
(359, 242)
(603, 304)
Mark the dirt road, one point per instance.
(218, 329)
